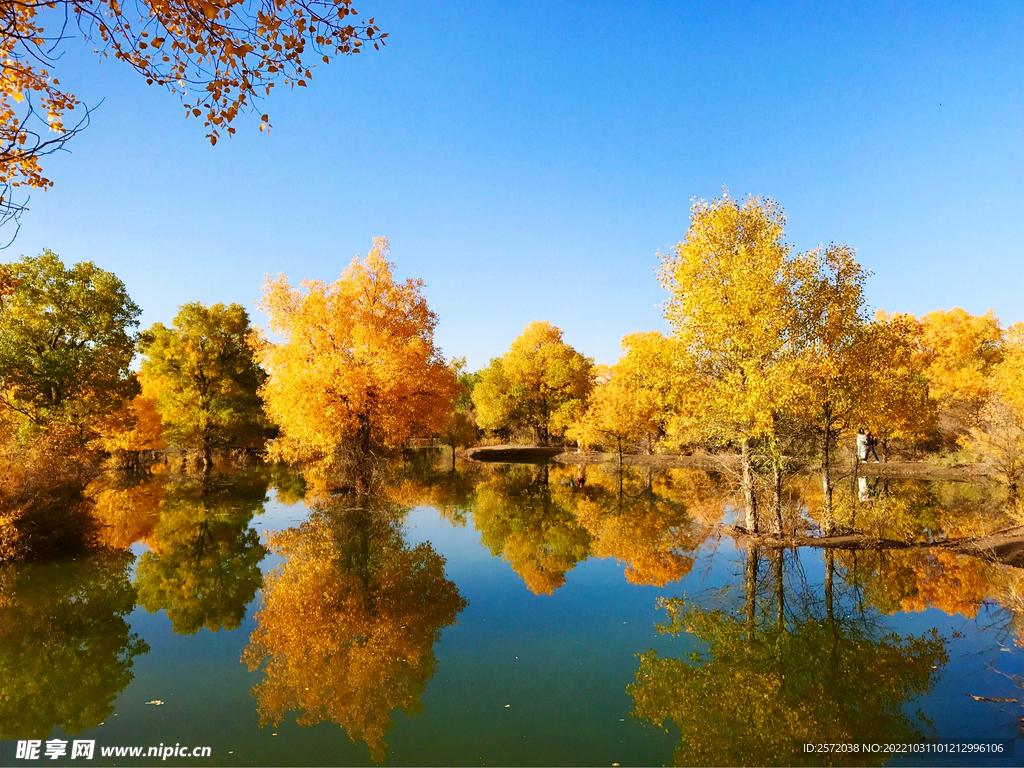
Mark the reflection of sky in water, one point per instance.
(521, 678)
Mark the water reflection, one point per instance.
(789, 645)
(545, 520)
(203, 563)
(126, 507)
(908, 509)
(528, 521)
(788, 666)
(914, 580)
(66, 650)
(347, 625)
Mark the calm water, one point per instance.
(500, 615)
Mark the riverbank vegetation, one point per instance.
(772, 364)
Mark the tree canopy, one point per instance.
(203, 378)
(356, 368)
(540, 384)
(66, 341)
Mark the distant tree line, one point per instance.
(772, 357)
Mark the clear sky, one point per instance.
(528, 160)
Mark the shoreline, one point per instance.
(530, 454)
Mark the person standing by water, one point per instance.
(862, 445)
(871, 443)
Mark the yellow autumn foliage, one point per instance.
(540, 384)
(356, 366)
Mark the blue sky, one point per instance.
(528, 161)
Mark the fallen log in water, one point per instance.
(1005, 546)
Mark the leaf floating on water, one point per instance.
(155, 702)
(992, 698)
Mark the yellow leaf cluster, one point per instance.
(220, 56)
(732, 307)
(356, 363)
(136, 427)
(540, 384)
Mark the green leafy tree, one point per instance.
(66, 649)
(66, 341)
(468, 381)
(202, 374)
(541, 384)
(203, 567)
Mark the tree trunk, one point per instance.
(827, 519)
(751, 588)
(361, 466)
(749, 494)
(780, 600)
(777, 494)
(855, 491)
(830, 569)
(542, 433)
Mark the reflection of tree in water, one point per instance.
(126, 507)
(913, 580)
(348, 623)
(420, 482)
(783, 672)
(643, 522)
(289, 486)
(529, 523)
(66, 650)
(204, 564)
(908, 509)
(543, 523)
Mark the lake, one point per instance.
(507, 615)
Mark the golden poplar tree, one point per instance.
(834, 368)
(540, 384)
(356, 369)
(898, 404)
(732, 306)
(997, 432)
(958, 353)
(130, 430)
(633, 402)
